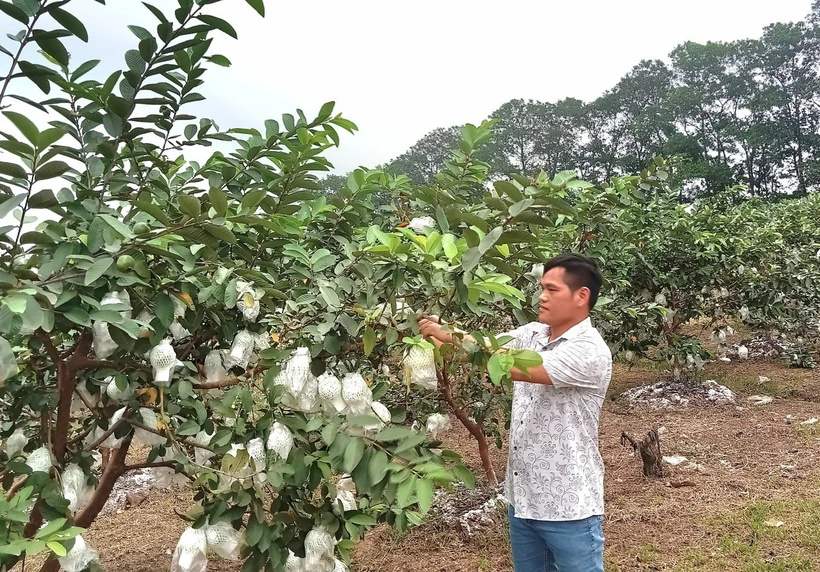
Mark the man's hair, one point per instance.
(579, 271)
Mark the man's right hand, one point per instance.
(430, 327)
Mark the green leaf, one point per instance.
(466, 476)
(424, 493)
(258, 5)
(525, 359)
(331, 297)
(24, 125)
(70, 23)
(50, 528)
(496, 369)
(251, 200)
(220, 60)
(469, 259)
(16, 304)
(394, 433)
(57, 548)
(369, 340)
(489, 240)
(220, 232)
(96, 235)
(219, 24)
(189, 205)
(51, 170)
(11, 203)
(13, 11)
(164, 309)
(49, 137)
(97, 270)
(134, 61)
(29, 7)
(152, 210)
(362, 519)
(377, 466)
(140, 32)
(118, 226)
(405, 492)
(190, 427)
(560, 205)
(218, 201)
(83, 69)
(353, 454)
(54, 48)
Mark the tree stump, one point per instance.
(650, 450)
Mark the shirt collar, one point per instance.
(574, 331)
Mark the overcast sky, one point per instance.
(399, 69)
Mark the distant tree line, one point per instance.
(744, 112)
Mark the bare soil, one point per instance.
(749, 468)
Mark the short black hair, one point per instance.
(579, 271)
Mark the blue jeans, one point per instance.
(557, 546)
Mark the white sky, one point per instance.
(399, 69)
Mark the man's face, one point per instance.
(558, 303)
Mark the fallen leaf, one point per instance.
(680, 484)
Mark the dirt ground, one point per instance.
(750, 499)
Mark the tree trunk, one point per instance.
(113, 471)
(471, 426)
(650, 450)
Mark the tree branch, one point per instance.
(228, 382)
(94, 364)
(161, 434)
(49, 345)
(155, 465)
(105, 435)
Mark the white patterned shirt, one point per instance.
(554, 467)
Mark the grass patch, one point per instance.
(648, 553)
(751, 541)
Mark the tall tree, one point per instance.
(427, 156)
(789, 66)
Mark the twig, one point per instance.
(49, 345)
(183, 441)
(105, 435)
(83, 399)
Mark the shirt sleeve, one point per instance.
(580, 364)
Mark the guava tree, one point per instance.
(195, 315)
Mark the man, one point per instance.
(555, 474)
